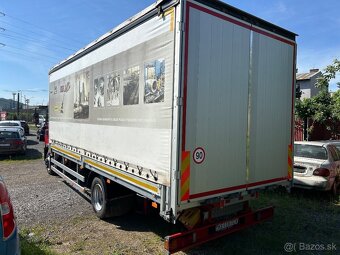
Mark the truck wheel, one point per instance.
(48, 166)
(99, 198)
(49, 170)
(335, 189)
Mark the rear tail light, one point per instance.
(321, 172)
(18, 142)
(7, 213)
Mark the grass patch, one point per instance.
(15, 159)
(32, 243)
(78, 246)
(306, 217)
(302, 217)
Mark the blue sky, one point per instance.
(40, 33)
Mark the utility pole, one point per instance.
(18, 104)
(13, 103)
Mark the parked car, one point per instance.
(25, 126)
(316, 166)
(13, 123)
(12, 141)
(9, 238)
(41, 119)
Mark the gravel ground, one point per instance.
(37, 196)
(64, 219)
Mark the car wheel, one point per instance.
(23, 151)
(99, 198)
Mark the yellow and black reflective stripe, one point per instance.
(66, 152)
(122, 176)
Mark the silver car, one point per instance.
(316, 166)
(13, 123)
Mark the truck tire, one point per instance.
(50, 171)
(110, 201)
(99, 198)
(48, 166)
(335, 189)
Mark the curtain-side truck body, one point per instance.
(188, 105)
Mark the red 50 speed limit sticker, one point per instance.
(199, 155)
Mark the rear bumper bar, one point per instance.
(197, 236)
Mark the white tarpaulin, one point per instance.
(117, 100)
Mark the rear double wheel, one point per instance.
(108, 200)
(99, 198)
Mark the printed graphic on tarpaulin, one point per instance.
(61, 97)
(112, 89)
(154, 75)
(131, 86)
(117, 126)
(64, 89)
(81, 96)
(99, 92)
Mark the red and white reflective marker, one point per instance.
(198, 155)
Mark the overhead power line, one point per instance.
(32, 52)
(23, 38)
(26, 55)
(38, 27)
(27, 52)
(31, 33)
(34, 90)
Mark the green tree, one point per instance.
(329, 74)
(322, 105)
(305, 109)
(323, 108)
(336, 104)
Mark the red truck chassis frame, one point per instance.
(188, 239)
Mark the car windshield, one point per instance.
(310, 151)
(9, 134)
(9, 124)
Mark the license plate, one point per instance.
(5, 145)
(299, 170)
(225, 225)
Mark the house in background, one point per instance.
(306, 82)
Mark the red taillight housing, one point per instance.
(7, 213)
(321, 172)
(18, 142)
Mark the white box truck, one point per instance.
(188, 105)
